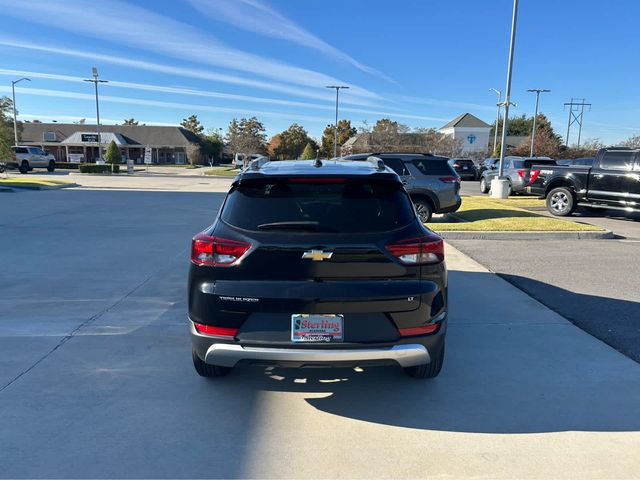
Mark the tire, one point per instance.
(207, 370)
(427, 370)
(52, 166)
(561, 202)
(24, 167)
(424, 209)
(483, 185)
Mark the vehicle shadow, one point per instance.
(528, 374)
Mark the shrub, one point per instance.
(95, 168)
(67, 165)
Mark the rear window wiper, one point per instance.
(309, 225)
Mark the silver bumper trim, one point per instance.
(227, 355)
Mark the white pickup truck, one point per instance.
(27, 158)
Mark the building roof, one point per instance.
(133, 135)
(466, 120)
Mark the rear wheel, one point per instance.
(427, 370)
(424, 209)
(206, 370)
(24, 167)
(52, 166)
(484, 188)
(561, 202)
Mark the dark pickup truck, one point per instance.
(612, 182)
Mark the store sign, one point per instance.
(89, 137)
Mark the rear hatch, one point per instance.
(315, 246)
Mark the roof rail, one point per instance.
(376, 162)
(258, 163)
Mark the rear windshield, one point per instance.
(20, 150)
(434, 167)
(351, 206)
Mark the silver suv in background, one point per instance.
(516, 170)
(430, 181)
(26, 158)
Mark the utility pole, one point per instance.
(575, 116)
(537, 91)
(335, 139)
(15, 119)
(500, 186)
(96, 81)
(495, 130)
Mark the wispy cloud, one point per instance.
(226, 96)
(137, 27)
(76, 118)
(185, 107)
(290, 90)
(258, 17)
(434, 102)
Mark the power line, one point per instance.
(576, 113)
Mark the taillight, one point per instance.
(211, 330)
(418, 251)
(206, 250)
(533, 174)
(449, 179)
(522, 173)
(425, 330)
(317, 180)
(13, 157)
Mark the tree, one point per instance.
(130, 121)
(273, 145)
(212, 144)
(246, 136)
(345, 132)
(308, 153)
(193, 125)
(82, 121)
(388, 132)
(632, 142)
(194, 153)
(547, 142)
(113, 155)
(6, 127)
(292, 142)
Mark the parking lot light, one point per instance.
(335, 136)
(15, 120)
(537, 91)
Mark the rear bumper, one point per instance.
(451, 208)
(406, 352)
(229, 355)
(538, 191)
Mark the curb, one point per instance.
(587, 235)
(38, 187)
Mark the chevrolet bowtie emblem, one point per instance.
(317, 255)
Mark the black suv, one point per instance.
(317, 264)
(432, 184)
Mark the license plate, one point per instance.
(316, 327)
(465, 168)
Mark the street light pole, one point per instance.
(96, 81)
(335, 127)
(502, 185)
(537, 91)
(15, 120)
(495, 132)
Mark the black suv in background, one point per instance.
(430, 180)
(317, 264)
(465, 168)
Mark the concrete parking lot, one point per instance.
(96, 377)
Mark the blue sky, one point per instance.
(420, 62)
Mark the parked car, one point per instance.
(241, 160)
(612, 182)
(431, 182)
(487, 164)
(516, 170)
(465, 168)
(26, 158)
(317, 264)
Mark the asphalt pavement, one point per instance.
(96, 377)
